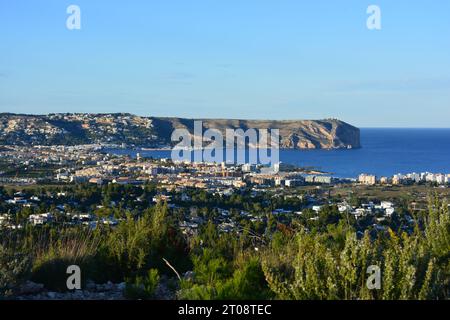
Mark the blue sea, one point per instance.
(384, 152)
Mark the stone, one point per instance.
(189, 275)
(109, 286)
(30, 287)
(121, 286)
(90, 285)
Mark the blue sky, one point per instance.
(262, 59)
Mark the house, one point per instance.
(293, 183)
(367, 179)
(98, 181)
(323, 179)
(40, 219)
(82, 217)
(389, 211)
(359, 212)
(386, 204)
(226, 227)
(384, 180)
(344, 207)
(17, 200)
(398, 179)
(162, 197)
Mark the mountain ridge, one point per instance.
(154, 132)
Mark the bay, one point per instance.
(384, 152)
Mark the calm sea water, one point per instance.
(384, 152)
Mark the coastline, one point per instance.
(193, 149)
(384, 152)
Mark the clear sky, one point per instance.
(262, 59)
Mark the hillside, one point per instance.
(131, 130)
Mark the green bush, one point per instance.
(413, 266)
(138, 244)
(142, 287)
(215, 279)
(55, 254)
(14, 267)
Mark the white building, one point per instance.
(367, 179)
(414, 177)
(39, 219)
(440, 178)
(386, 204)
(398, 178)
(293, 183)
(389, 211)
(248, 167)
(359, 212)
(344, 207)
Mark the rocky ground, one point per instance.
(108, 291)
(92, 291)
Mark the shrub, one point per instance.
(54, 255)
(138, 244)
(128, 247)
(215, 279)
(412, 266)
(142, 287)
(14, 267)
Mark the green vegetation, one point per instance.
(142, 286)
(14, 267)
(322, 255)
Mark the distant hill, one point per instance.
(153, 132)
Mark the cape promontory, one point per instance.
(155, 132)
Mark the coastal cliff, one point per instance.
(154, 132)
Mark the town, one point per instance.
(285, 195)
